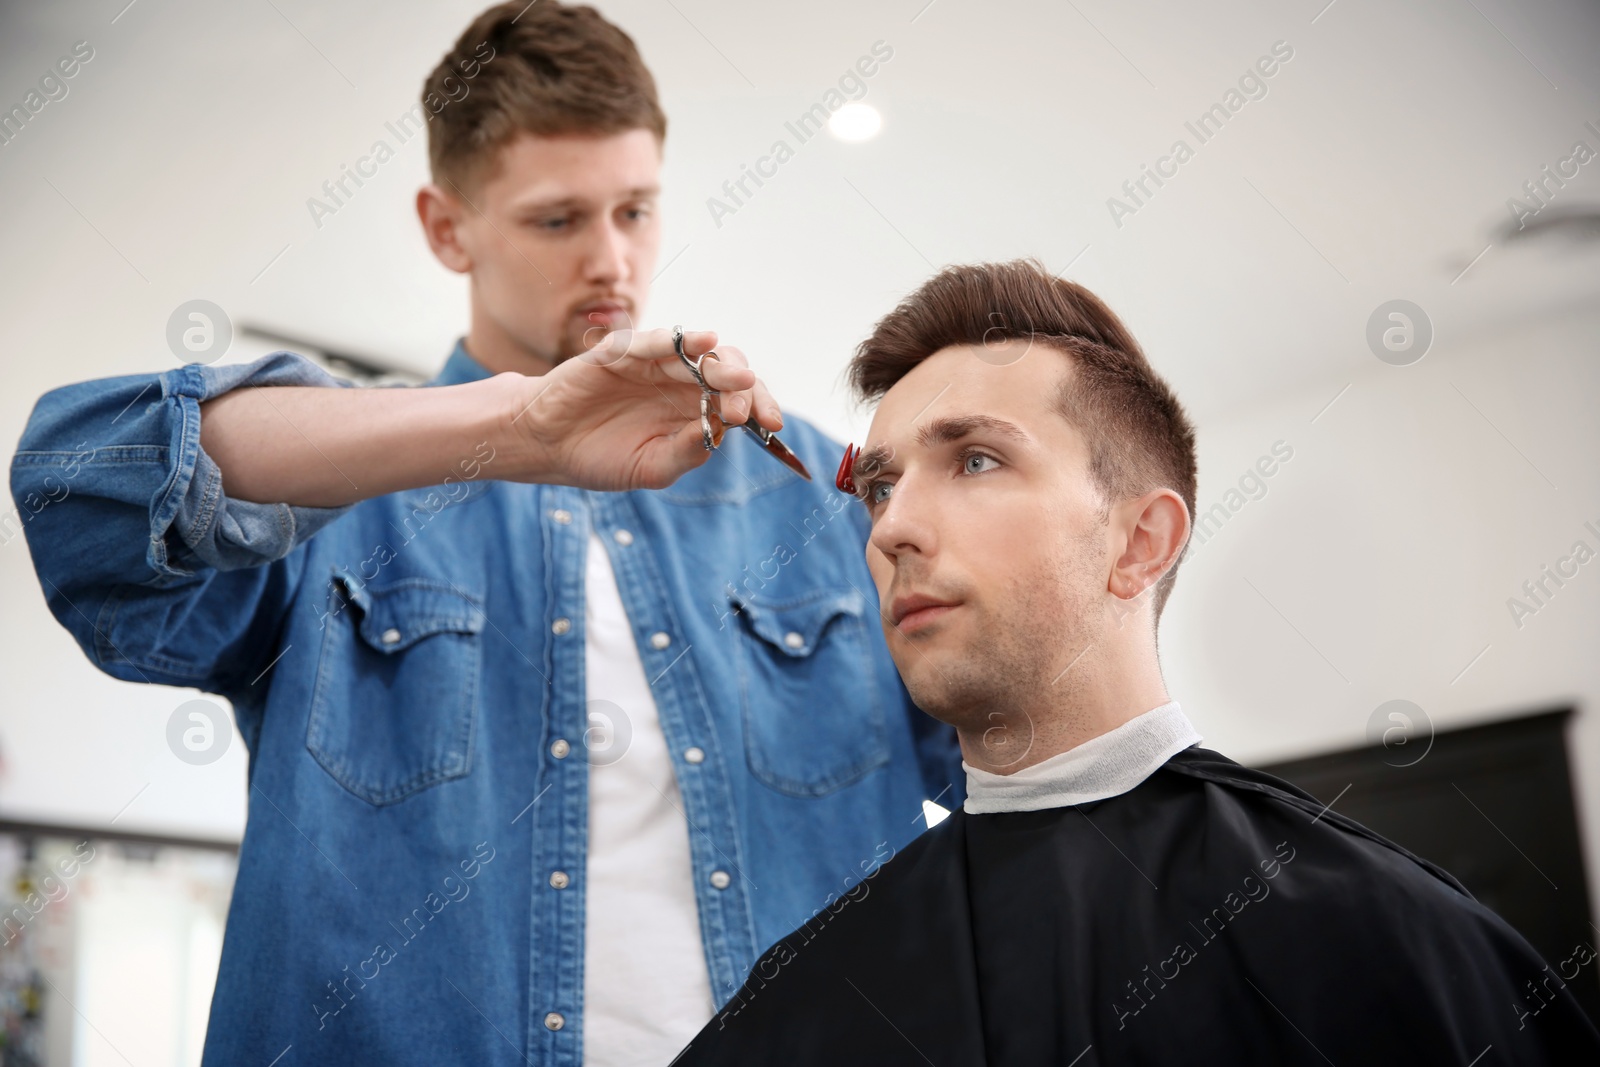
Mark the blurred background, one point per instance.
(1373, 273)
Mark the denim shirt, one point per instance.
(408, 673)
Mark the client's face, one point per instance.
(988, 547)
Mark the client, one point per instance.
(1109, 892)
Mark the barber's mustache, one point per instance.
(596, 331)
(602, 300)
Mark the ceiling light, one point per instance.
(855, 122)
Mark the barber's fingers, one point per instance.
(738, 405)
(675, 455)
(626, 350)
(757, 398)
(729, 373)
(725, 370)
(766, 407)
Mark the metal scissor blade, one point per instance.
(776, 448)
(711, 424)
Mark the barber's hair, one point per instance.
(1138, 435)
(545, 68)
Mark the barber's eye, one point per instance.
(974, 463)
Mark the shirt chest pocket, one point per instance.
(814, 717)
(395, 701)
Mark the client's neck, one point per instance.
(1099, 693)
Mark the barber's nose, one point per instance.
(608, 254)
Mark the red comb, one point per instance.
(843, 479)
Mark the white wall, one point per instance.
(1413, 508)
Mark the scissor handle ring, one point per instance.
(693, 364)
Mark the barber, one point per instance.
(555, 719)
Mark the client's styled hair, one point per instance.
(1139, 437)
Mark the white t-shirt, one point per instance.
(646, 987)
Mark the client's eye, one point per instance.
(974, 462)
(878, 492)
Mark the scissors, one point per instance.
(711, 424)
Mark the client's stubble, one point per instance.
(1030, 649)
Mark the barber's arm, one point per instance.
(155, 570)
(625, 415)
(163, 511)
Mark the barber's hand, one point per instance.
(626, 413)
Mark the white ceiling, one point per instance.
(1378, 166)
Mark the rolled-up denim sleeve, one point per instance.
(140, 553)
(221, 531)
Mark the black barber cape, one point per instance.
(1212, 915)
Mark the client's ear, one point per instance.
(1157, 528)
(441, 215)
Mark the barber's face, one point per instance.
(984, 505)
(563, 238)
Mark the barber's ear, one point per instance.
(441, 215)
(1157, 525)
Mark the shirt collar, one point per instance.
(1101, 767)
(460, 367)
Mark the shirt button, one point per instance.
(561, 625)
(794, 640)
(554, 1021)
(559, 748)
(695, 755)
(559, 879)
(562, 516)
(720, 879)
(623, 537)
(390, 636)
(659, 640)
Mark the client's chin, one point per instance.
(947, 689)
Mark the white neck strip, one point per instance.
(1101, 767)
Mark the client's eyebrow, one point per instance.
(937, 432)
(955, 427)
